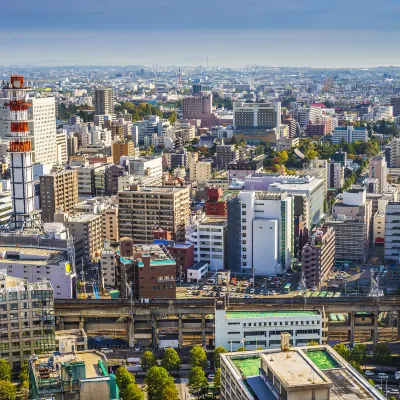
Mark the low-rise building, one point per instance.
(197, 272)
(71, 340)
(264, 328)
(317, 372)
(76, 375)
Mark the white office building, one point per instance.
(267, 232)
(146, 167)
(108, 265)
(312, 188)
(392, 232)
(349, 134)
(263, 328)
(208, 236)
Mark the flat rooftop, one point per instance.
(31, 255)
(298, 368)
(268, 314)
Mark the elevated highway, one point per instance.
(193, 319)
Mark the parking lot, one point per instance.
(238, 287)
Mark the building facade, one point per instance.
(318, 257)
(145, 210)
(58, 192)
(104, 101)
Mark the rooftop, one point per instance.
(297, 369)
(198, 265)
(268, 314)
(31, 255)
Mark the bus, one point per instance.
(287, 287)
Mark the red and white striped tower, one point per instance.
(22, 189)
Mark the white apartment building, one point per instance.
(349, 134)
(378, 230)
(392, 232)
(267, 232)
(200, 171)
(36, 264)
(44, 129)
(382, 112)
(208, 236)
(108, 266)
(150, 166)
(61, 139)
(165, 142)
(395, 153)
(264, 328)
(378, 170)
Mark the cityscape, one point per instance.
(197, 226)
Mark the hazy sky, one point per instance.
(186, 32)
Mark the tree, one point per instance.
(171, 360)
(5, 371)
(24, 373)
(359, 354)
(124, 378)
(382, 354)
(197, 380)
(7, 391)
(172, 118)
(312, 343)
(198, 357)
(157, 380)
(24, 390)
(241, 349)
(170, 393)
(148, 360)
(217, 352)
(217, 380)
(342, 350)
(132, 392)
(283, 156)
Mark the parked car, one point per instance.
(368, 372)
(382, 375)
(393, 391)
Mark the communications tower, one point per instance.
(22, 189)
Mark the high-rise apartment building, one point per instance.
(145, 210)
(110, 224)
(42, 125)
(72, 145)
(209, 239)
(395, 152)
(90, 228)
(199, 107)
(119, 149)
(318, 256)
(104, 101)
(58, 192)
(226, 154)
(335, 175)
(200, 171)
(260, 232)
(27, 319)
(111, 175)
(378, 170)
(395, 102)
(61, 139)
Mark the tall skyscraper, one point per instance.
(104, 101)
(395, 102)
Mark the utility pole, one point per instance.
(83, 277)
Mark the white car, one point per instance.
(368, 372)
(393, 391)
(252, 291)
(382, 375)
(211, 377)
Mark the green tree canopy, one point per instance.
(198, 357)
(241, 349)
(217, 380)
(24, 373)
(124, 378)
(359, 354)
(7, 391)
(382, 354)
(342, 350)
(171, 360)
(217, 352)
(173, 118)
(312, 343)
(197, 380)
(157, 380)
(5, 371)
(148, 360)
(132, 392)
(170, 392)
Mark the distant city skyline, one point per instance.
(230, 33)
